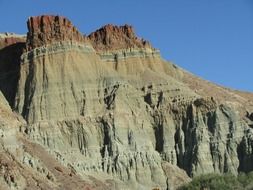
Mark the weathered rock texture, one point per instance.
(8, 39)
(44, 30)
(109, 113)
(111, 37)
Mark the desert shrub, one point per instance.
(246, 180)
(220, 182)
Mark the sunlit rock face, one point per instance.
(46, 29)
(107, 112)
(111, 37)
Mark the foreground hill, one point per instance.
(105, 111)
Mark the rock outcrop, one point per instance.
(11, 48)
(106, 112)
(44, 30)
(8, 39)
(111, 37)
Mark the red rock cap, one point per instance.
(46, 29)
(111, 37)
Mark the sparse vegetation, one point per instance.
(219, 182)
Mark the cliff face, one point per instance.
(111, 37)
(11, 48)
(44, 30)
(106, 112)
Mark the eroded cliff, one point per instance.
(107, 112)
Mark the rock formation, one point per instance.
(45, 30)
(111, 37)
(11, 48)
(8, 39)
(107, 112)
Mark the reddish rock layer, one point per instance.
(7, 41)
(111, 37)
(43, 30)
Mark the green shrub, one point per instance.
(220, 182)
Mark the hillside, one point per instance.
(106, 111)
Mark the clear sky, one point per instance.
(211, 38)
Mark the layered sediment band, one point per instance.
(57, 47)
(129, 53)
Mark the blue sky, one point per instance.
(211, 38)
